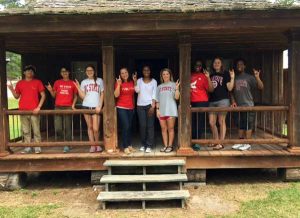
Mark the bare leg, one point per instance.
(213, 126)
(222, 123)
(164, 131)
(88, 120)
(249, 134)
(171, 123)
(96, 121)
(241, 133)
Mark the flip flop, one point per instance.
(218, 147)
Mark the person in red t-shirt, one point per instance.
(124, 93)
(28, 90)
(200, 86)
(65, 93)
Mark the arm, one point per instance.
(137, 86)
(232, 99)
(230, 84)
(157, 110)
(98, 109)
(13, 91)
(81, 93)
(177, 93)
(118, 87)
(42, 100)
(260, 84)
(51, 90)
(210, 85)
(74, 101)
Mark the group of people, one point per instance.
(219, 88)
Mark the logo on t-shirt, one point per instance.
(217, 80)
(241, 84)
(91, 88)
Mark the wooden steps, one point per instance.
(144, 179)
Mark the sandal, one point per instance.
(218, 147)
(163, 149)
(169, 149)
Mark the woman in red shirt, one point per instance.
(65, 93)
(200, 86)
(124, 93)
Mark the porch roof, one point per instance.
(143, 6)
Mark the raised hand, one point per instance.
(10, 86)
(231, 74)
(206, 73)
(49, 87)
(76, 83)
(36, 110)
(256, 73)
(177, 84)
(134, 77)
(119, 81)
(233, 104)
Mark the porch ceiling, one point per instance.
(144, 41)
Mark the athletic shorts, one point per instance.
(247, 120)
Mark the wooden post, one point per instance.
(184, 120)
(3, 100)
(294, 90)
(109, 113)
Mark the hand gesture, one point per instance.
(206, 73)
(10, 86)
(98, 110)
(134, 77)
(119, 81)
(256, 73)
(49, 87)
(36, 110)
(76, 83)
(177, 84)
(231, 74)
(234, 104)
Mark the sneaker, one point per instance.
(37, 150)
(127, 151)
(66, 149)
(245, 147)
(236, 146)
(98, 149)
(27, 150)
(142, 148)
(93, 149)
(148, 150)
(131, 149)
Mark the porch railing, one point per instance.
(270, 125)
(79, 136)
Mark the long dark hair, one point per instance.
(95, 72)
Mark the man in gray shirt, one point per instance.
(244, 85)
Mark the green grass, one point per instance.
(28, 211)
(279, 203)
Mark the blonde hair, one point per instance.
(169, 71)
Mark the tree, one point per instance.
(14, 65)
(285, 2)
(11, 3)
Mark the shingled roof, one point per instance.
(142, 6)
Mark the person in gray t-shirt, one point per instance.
(244, 85)
(166, 108)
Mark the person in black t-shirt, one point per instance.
(223, 83)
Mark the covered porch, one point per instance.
(111, 41)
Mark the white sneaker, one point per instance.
(37, 150)
(245, 147)
(27, 150)
(236, 146)
(142, 148)
(148, 150)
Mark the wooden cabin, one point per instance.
(161, 33)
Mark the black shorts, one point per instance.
(247, 120)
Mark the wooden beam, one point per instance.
(3, 100)
(184, 120)
(109, 113)
(294, 88)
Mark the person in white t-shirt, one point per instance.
(91, 91)
(146, 89)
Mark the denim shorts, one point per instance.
(220, 103)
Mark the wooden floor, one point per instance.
(53, 159)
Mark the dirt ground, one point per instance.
(223, 194)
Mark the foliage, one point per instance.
(14, 65)
(11, 3)
(285, 2)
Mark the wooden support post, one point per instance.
(184, 120)
(294, 90)
(109, 113)
(3, 101)
(289, 174)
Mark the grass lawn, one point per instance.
(32, 211)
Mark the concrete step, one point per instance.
(143, 195)
(142, 163)
(143, 178)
